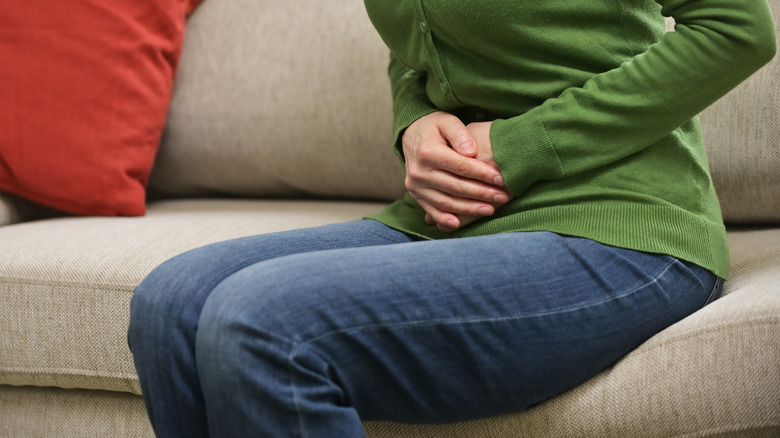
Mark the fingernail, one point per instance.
(485, 211)
(498, 181)
(467, 148)
(500, 199)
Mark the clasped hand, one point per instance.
(450, 170)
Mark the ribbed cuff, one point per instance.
(524, 151)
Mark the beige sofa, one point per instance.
(281, 119)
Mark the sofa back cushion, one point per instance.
(274, 100)
(15, 209)
(280, 99)
(742, 136)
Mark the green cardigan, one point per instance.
(594, 109)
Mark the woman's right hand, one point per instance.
(443, 174)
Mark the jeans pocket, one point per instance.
(717, 290)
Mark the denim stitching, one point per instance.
(293, 385)
(562, 310)
(717, 290)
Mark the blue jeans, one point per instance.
(306, 333)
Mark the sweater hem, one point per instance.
(653, 229)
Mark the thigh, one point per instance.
(189, 277)
(166, 307)
(449, 330)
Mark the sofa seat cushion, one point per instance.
(33, 412)
(715, 374)
(65, 283)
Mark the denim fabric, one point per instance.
(306, 333)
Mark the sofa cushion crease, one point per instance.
(32, 412)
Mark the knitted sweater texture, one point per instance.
(593, 106)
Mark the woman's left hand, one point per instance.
(480, 131)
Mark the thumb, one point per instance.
(458, 137)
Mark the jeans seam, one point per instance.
(413, 324)
(294, 383)
(717, 290)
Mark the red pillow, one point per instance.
(85, 87)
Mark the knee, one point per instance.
(229, 329)
(252, 309)
(273, 306)
(157, 291)
(167, 295)
(147, 307)
(232, 309)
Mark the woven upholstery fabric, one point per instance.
(742, 136)
(280, 99)
(52, 412)
(65, 283)
(237, 126)
(8, 211)
(29, 412)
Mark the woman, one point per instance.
(560, 212)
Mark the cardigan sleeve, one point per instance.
(410, 101)
(717, 44)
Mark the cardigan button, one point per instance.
(444, 87)
(423, 27)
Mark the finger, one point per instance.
(438, 217)
(432, 156)
(446, 203)
(456, 175)
(445, 229)
(464, 220)
(458, 136)
(471, 168)
(456, 186)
